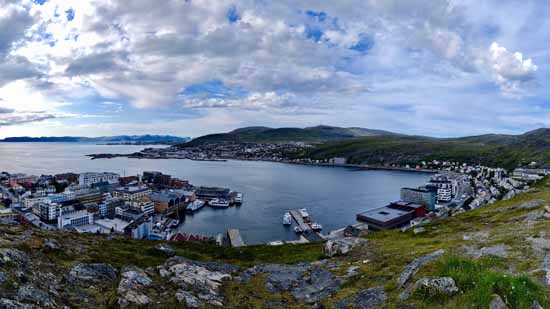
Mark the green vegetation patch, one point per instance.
(479, 280)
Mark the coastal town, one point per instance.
(148, 206)
(153, 205)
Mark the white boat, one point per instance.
(303, 212)
(195, 205)
(316, 226)
(218, 203)
(298, 230)
(238, 198)
(287, 219)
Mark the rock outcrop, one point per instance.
(367, 299)
(342, 246)
(305, 282)
(132, 287)
(444, 286)
(415, 265)
(198, 283)
(92, 274)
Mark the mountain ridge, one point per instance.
(147, 138)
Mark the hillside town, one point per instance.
(147, 206)
(455, 188)
(152, 205)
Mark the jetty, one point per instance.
(235, 239)
(307, 232)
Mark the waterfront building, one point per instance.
(208, 193)
(384, 218)
(422, 196)
(132, 193)
(419, 210)
(338, 161)
(87, 179)
(74, 219)
(167, 201)
(145, 205)
(443, 186)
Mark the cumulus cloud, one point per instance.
(280, 55)
(511, 71)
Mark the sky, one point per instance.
(190, 67)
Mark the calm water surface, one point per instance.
(333, 196)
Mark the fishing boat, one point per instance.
(303, 212)
(287, 219)
(195, 205)
(218, 203)
(316, 226)
(298, 230)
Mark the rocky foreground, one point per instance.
(494, 257)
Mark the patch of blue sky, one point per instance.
(39, 2)
(233, 15)
(214, 89)
(320, 16)
(70, 14)
(364, 44)
(313, 33)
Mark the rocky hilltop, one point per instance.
(496, 256)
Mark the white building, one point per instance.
(74, 219)
(47, 211)
(88, 179)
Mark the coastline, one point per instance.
(356, 166)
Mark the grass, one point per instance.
(480, 280)
(121, 251)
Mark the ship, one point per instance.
(195, 205)
(287, 219)
(218, 203)
(316, 226)
(303, 212)
(298, 230)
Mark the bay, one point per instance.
(332, 195)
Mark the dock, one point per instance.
(307, 233)
(235, 238)
(300, 220)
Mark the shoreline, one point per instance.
(356, 166)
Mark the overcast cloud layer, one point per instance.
(441, 68)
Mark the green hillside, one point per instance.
(492, 150)
(278, 135)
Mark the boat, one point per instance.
(174, 223)
(218, 203)
(287, 219)
(238, 199)
(303, 212)
(316, 226)
(298, 230)
(195, 205)
(308, 219)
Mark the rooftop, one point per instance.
(384, 214)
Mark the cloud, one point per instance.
(511, 72)
(11, 117)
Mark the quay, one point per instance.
(300, 220)
(307, 232)
(235, 238)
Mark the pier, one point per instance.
(300, 220)
(235, 238)
(307, 232)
